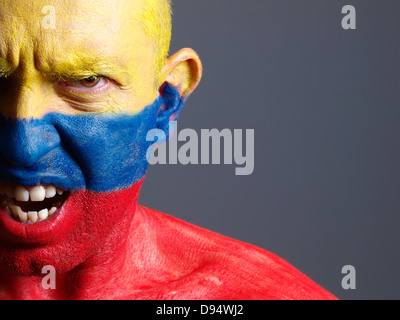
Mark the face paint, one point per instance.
(99, 158)
(97, 152)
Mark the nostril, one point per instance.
(24, 142)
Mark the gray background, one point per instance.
(324, 103)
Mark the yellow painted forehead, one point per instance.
(96, 24)
(120, 40)
(22, 21)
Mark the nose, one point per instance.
(23, 142)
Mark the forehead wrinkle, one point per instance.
(14, 38)
(5, 68)
(74, 50)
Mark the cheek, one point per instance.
(111, 152)
(95, 152)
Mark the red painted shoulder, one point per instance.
(201, 264)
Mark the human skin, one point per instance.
(102, 244)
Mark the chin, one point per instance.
(61, 228)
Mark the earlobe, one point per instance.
(183, 70)
(171, 106)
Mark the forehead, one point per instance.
(96, 27)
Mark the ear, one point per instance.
(179, 77)
(183, 70)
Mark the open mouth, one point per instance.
(32, 204)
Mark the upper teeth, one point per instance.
(38, 193)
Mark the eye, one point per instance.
(90, 82)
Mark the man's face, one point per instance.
(75, 105)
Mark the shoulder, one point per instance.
(214, 266)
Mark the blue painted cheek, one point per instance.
(99, 152)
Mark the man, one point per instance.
(78, 95)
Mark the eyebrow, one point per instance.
(82, 66)
(78, 67)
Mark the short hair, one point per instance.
(156, 19)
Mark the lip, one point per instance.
(42, 232)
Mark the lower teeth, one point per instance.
(19, 215)
(32, 216)
(31, 204)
